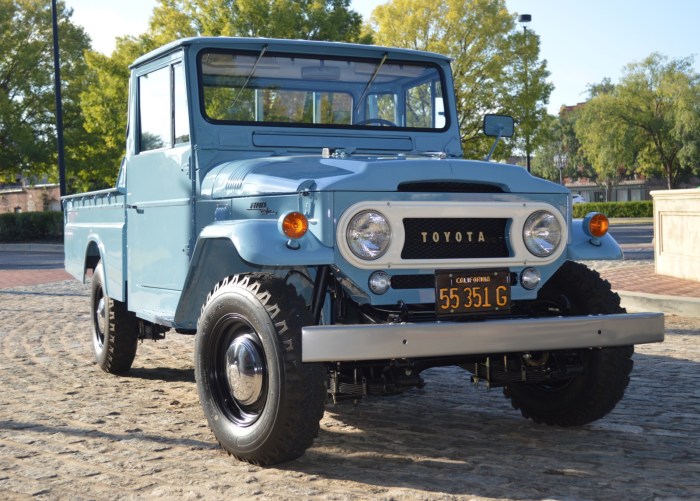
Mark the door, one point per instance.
(159, 192)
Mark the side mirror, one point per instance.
(499, 126)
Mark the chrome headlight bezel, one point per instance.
(368, 234)
(542, 233)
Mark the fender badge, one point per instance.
(261, 207)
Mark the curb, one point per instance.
(669, 305)
(50, 248)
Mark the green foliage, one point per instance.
(303, 19)
(649, 122)
(104, 103)
(31, 227)
(489, 57)
(529, 91)
(27, 108)
(560, 147)
(644, 208)
(612, 149)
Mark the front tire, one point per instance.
(262, 403)
(115, 330)
(577, 290)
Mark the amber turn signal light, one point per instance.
(598, 225)
(294, 225)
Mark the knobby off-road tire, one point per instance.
(262, 403)
(578, 290)
(115, 330)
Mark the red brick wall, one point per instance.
(30, 199)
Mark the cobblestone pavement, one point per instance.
(70, 431)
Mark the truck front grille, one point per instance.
(454, 238)
(413, 282)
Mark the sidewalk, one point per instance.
(641, 289)
(49, 270)
(16, 278)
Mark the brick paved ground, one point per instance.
(14, 278)
(640, 277)
(69, 431)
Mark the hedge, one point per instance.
(643, 208)
(31, 227)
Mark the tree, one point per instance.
(550, 155)
(305, 19)
(611, 150)
(479, 35)
(27, 107)
(104, 103)
(529, 91)
(650, 121)
(559, 150)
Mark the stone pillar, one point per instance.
(677, 233)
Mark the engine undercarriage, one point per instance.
(350, 381)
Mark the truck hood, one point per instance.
(279, 175)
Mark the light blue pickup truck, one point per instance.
(304, 210)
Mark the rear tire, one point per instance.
(262, 403)
(578, 290)
(115, 330)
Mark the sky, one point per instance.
(583, 41)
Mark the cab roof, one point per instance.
(295, 46)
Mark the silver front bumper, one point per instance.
(338, 343)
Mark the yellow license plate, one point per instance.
(472, 291)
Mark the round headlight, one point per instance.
(368, 234)
(542, 233)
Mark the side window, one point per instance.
(163, 113)
(181, 115)
(154, 110)
(424, 106)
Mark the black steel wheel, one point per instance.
(262, 403)
(115, 332)
(577, 290)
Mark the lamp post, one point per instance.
(59, 105)
(524, 20)
(560, 161)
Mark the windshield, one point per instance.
(272, 89)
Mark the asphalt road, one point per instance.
(633, 234)
(12, 260)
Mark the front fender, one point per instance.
(586, 248)
(259, 242)
(227, 248)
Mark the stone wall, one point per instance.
(677, 233)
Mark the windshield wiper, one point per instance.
(250, 75)
(371, 81)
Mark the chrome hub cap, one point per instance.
(245, 370)
(101, 320)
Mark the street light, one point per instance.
(560, 162)
(524, 20)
